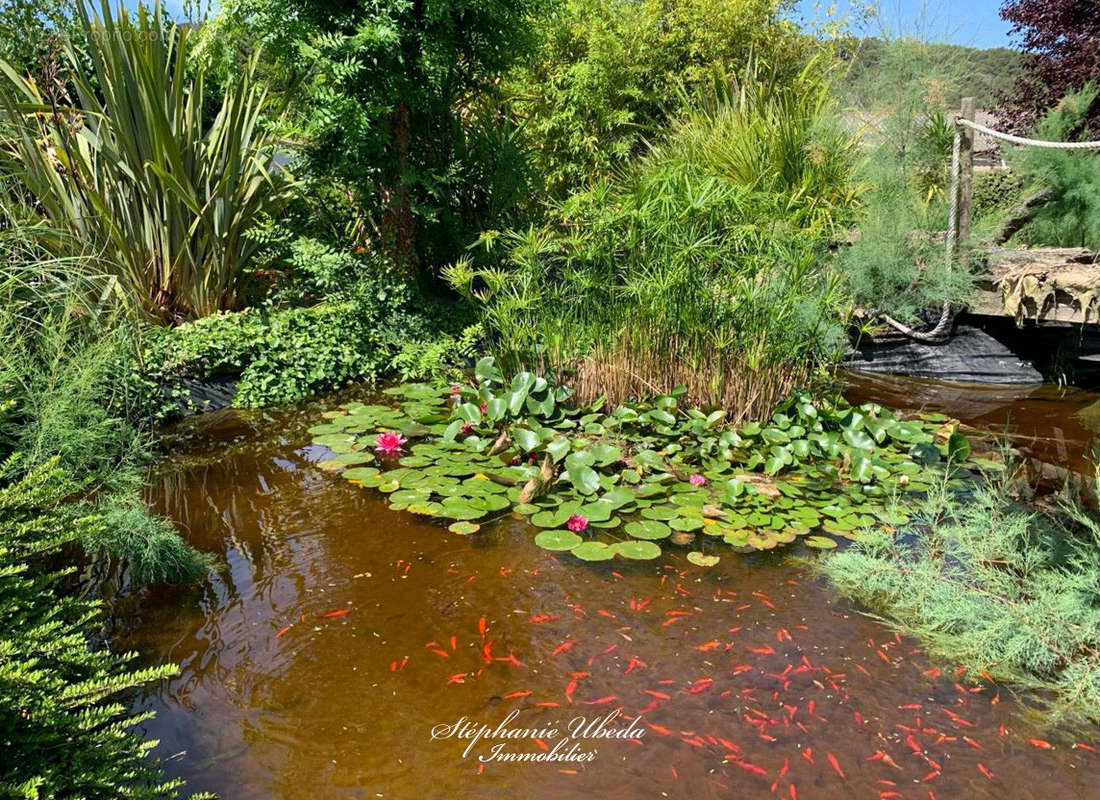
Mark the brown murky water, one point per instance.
(317, 661)
(1052, 424)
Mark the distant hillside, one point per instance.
(953, 70)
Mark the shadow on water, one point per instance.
(315, 663)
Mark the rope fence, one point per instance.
(965, 140)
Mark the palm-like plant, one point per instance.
(133, 169)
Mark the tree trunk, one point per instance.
(398, 223)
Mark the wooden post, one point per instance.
(966, 171)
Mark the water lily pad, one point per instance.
(495, 502)
(648, 529)
(663, 513)
(686, 523)
(762, 541)
(701, 559)
(551, 519)
(455, 508)
(408, 496)
(617, 497)
(593, 551)
(463, 527)
(558, 540)
(820, 542)
(638, 551)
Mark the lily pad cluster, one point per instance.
(623, 482)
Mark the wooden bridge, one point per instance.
(1044, 286)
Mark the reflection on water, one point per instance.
(1053, 424)
(315, 663)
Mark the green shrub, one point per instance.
(606, 75)
(996, 191)
(67, 366)
(897, 265)
(394, 104)
(1072, 217)
(64, 726)
(992, 586)
(284, 355)
(442, 357)
(30, 30)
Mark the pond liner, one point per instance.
(209, 395)
(969, 356)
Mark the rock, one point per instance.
(969, 356)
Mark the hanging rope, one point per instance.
(942, 328)
(939, 333)
(1008, 137)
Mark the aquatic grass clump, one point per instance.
(67, 368)
(993, 586)
(700, 266)
(606, 482)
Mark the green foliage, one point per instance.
(440, 357)
(897, 264)
(31, 30)
(655, 469)
(66, 379)
(1072, 217)
(996, 191)
(63, 383)
(699, 266)
(394, 102)
(993, 586)
(606, 75)
(63, 711)
(283, 355)
(133, 168)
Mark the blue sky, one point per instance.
(971, 22)
(975, 23)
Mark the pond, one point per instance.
(338, 634)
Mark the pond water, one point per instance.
(338, 634)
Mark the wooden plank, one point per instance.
(1059, 274)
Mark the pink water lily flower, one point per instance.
(455, 391)
(697, 480)
(389, 443)
(577, 523)
(467, 428)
